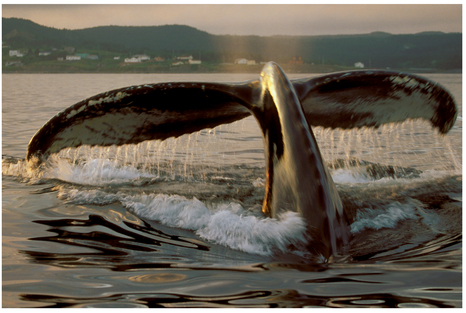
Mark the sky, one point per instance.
(251, 19)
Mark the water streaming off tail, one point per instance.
(211, 153)
(410, 144)
(196, 156)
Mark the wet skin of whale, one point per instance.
(296, 176)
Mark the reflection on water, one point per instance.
(88, 233)
(253, 299)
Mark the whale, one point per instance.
(297, 178)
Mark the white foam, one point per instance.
(226, 224)
(87, 197)
(98, 172)
(355, 175)
(387, 217)
(350, 176)
(252, 234)
(174, 211)
(260, 182)
(14, 169)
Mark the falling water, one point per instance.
(410, 144)
(206, 154)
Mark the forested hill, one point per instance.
(378, 50)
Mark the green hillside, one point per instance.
(428, 51)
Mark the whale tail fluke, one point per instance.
(159, 111)
(297, 178)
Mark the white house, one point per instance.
(73, 57)
(44, 53)
(185, 57)
(141, 57)
(132, 60)
(359, 64)
(116, 58)
(241, 61)
(16, 53)
(194, 61)
(178, 63)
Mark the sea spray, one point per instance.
(386, 217)
(97, 172)
(255, 235)
(227, 224)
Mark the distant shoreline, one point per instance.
(310, 73)
(289, 69)
(31, 48)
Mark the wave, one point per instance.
(224, 220)
(227, 224)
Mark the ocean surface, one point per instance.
(178, 224)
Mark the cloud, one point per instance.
(254, 19)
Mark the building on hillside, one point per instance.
(142, 57)
(185, 57)
(116, 58)
(194, 61)
(241, 61)
(16, 53)
(44, 53)
(177, 63)
(92, 57)
(73, 58)
(159, 59)
(60, 59)
(132, 60)
(251, 62)
(359, 64)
